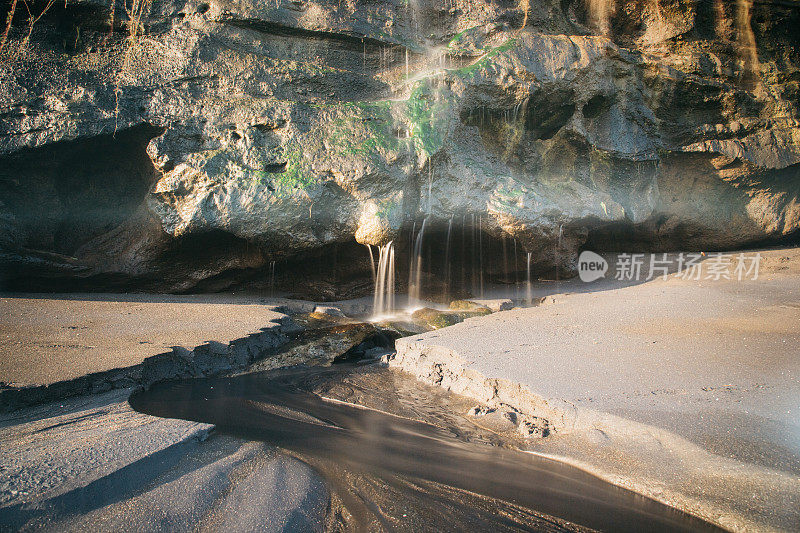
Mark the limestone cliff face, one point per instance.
(235, 133)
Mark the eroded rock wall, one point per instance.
(232, 134)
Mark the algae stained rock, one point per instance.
(231, 135)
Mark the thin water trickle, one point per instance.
(383, 301)
(473, 258)
(430, 187)
(558, 251)
(372, 263)
(528, 288)
(447, 260)
(480, 252)
(415, 272)
(411, 237)
(272, 278)
(516, 271)
(506, 272)
(463, 251)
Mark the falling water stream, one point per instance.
(516, 270)
(373, 271)
(480, 254)
(528, 287)
(383, 301)
(423, 250)
(443, 265)
(430, 188)
(557, 254)
(272, 278)
(447, 261)
(415, 270)
(506, 271)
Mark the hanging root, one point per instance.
(32, 19)
(9, 19)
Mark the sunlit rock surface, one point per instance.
(233, 134)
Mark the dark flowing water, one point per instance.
(448, 472)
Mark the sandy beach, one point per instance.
(94, 463)
(685, 391)
(47, 338)
(85, 456)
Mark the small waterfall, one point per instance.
(463, 251)
(383, 302)
(415, 272)
(411, 237)
(528, 291)
(372, 262)
(480, 251)
(745, 39)
(476, 259)
(474, 256)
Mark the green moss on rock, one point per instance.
(430, 110)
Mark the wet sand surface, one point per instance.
(410, 438)
(687, 390)
(94, 464)
(50, 337)
(407, 461)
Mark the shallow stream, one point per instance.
(398, 454)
